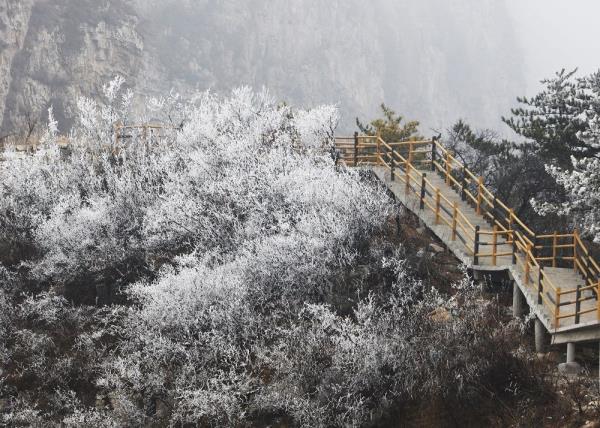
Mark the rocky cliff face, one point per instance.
(433, 60)
(59, 50)
(14, 21)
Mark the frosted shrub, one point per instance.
(199, 342)
(234, 237)
(109, 214)
(338, 371)
(268, 226)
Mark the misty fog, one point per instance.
(435, 61)
(556, 34)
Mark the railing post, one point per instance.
(578, 303)
(512, 235)
(437, 205)
(476, 246)
(588, 263)
(494, 244)
(578, 292)
(534, 251)
(423, 189)
(557, 308)
(433, 153)
(540, 285)
(379, 159)
(554, 249)
(479, 195)
(410, 152)
(407, 177)
(598, 301)
(463, 185)
(448, 168)
(575, 233)
(392, 164)
(356, 149)
(527, 264)
(454, 220)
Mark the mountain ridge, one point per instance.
(417, 58)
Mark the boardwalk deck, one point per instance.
(469, 223)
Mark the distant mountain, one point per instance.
(432, 60)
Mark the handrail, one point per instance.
(482, 188)
(529, 250)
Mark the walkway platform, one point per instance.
(555, 273)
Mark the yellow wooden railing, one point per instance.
(408, 161)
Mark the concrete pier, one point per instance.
(541, 337)
(518, 301)
(570, 352)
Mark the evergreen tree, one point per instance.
(390, 127)
(552, 120)
(590, 136)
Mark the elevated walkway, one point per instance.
(555, 274)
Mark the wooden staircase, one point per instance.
(555, 273)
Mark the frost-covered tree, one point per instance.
(590, 135)
(554, 119)
(239, 214)
(260, 283)
(113, 209)
(581, 179)
(582, 185)
(268, 223)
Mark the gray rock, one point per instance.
(569, 369)
(436, 248)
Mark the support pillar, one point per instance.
(518, 301)
(570, 352)
(570, 368)
(541, 337)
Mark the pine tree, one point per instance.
(579, 178)
(552, 120)
(390, 127)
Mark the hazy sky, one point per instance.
(557, 34)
